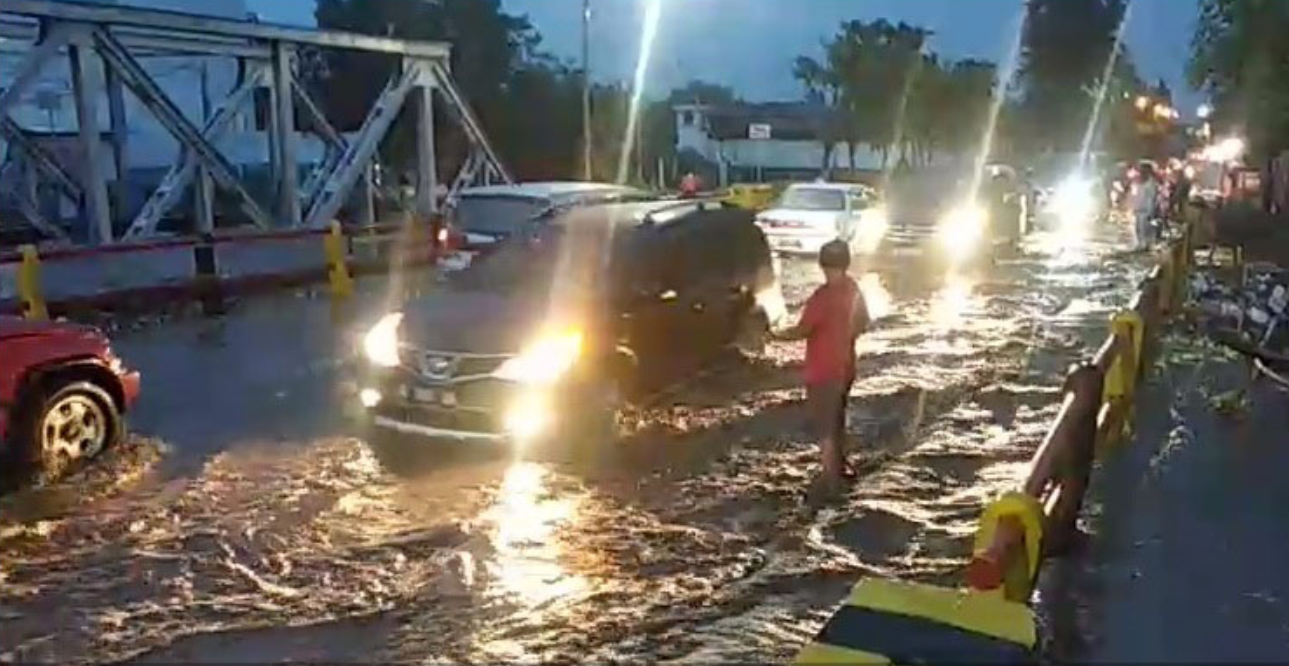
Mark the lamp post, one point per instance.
(586, 90)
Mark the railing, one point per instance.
(893, 621)
(1021, 529)
(208, 267)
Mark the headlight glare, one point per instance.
(545, 361)
(381, 342)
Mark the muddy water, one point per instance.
(693, 540)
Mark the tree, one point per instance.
(1240, 56)
(529, 103)
(1066, 47)
(888, 93)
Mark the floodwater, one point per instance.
(247, 522)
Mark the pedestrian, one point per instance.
(834, 316)
(689, 185)
(1145, 204)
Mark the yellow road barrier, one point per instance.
(342, 285)
(29, 285)
(1014, 511)
(896, 622)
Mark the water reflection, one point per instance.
(876, 296)
(953, 301)
(527, 516)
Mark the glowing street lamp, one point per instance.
(1204, 111)
(1143, 103)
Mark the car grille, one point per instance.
(442, 366)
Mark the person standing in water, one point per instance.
(834, 316)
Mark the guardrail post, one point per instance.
(206, 276)
(342, 285)
(1120, 383)
(29, 285)
(1008, 547)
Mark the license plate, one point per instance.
(433, 396)
(788, 244)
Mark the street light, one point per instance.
(1204, 111)
(1143, 103)
(586, 90)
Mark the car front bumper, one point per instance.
(434, 432)
(797, 243)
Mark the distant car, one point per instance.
(63, 394)
(485, 215)
(546, 334)
(808, 215)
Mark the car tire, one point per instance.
(65, 423)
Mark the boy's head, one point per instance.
(834, 258)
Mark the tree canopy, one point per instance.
(886, 92)
(1240, 56)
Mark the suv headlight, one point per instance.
(963, 227)
(381, 342)
(545, 361)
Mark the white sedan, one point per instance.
(809, 215)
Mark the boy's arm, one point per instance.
(862, 320)
(802, 329)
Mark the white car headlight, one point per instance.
(545, 361)
(381, 342)
(1073, 202)
(963, 228)
(873, 225)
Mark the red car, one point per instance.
(63, 393)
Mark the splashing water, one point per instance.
(653, 14)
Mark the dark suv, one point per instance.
(545, 335)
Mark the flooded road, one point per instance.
(247, 522)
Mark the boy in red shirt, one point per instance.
(834, 316)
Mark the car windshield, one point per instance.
(813, 198)
(502, 215)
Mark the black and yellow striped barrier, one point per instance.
(895, 622)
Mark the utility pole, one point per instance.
(586, 90)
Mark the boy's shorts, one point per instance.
(826, 403)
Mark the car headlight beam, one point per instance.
(545, 361)
(1073, 201)
(380, 345)
(962, 229)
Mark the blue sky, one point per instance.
(750, 44)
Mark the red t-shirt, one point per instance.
(833, 317)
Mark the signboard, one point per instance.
(758, 131)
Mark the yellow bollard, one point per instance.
(29, 288)
(1019, 575)
(342, 286)
(1121, 380)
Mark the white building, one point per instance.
(734, 138)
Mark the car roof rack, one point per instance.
(698, 204)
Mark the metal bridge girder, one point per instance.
(340, 181)
(29, 70)
(171, 189)
(42, 160)
(150, 94)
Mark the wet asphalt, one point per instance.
(1189, 559)
(248, 521)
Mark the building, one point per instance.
(765, 142)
